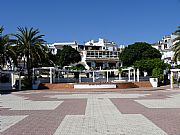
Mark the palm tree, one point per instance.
(176, 47)
(1, 30)
(7, 53)
(30, 45)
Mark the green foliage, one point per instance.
(78, 67)
(7, 52)
(50, 60)
(67, 56)
(177, 66)
(158, 73)
(120, 69)
(176, 47)
(30, 45)
(1, 29)
(26, 84)
(138, 51)
(149, 64)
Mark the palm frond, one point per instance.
(176, 46)
(30, 43)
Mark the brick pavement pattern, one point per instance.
(90, 113)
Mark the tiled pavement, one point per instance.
(90, 113)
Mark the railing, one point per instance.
(84, 79)
(102, 54)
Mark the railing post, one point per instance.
(107, 77)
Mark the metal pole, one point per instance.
(107, 78)
(93, 77)
(134, 75)
(51, 75)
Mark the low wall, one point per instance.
(56, 86)
(143, 84)
(94, 86)
(125, 85)
(122, 85)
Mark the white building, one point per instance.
(99, 54)
(55, 46)
(165, 47)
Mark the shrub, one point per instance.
(78, 67)
(25, 83)
(158, 73)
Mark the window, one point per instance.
(159, 47)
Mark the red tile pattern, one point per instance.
(167, 119)
(45, 122)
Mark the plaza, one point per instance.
(138, 111)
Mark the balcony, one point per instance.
(94, 54)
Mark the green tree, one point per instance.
(1, 29)
(7, 53)
(176, 47)
(157, 73)
(138, 51)
(67, 56)
(52, 59)
(149, 64)
(30, 45)
(78, 67)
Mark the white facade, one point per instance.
(165, 47)
(103, 44)
(99, 54)
(55, 46)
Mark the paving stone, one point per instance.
(103, 118)
(171, 102)
(8, 121)
(19, 103)
(90, 113)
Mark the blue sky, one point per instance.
(121, 21)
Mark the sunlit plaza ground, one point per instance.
(124, 112)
